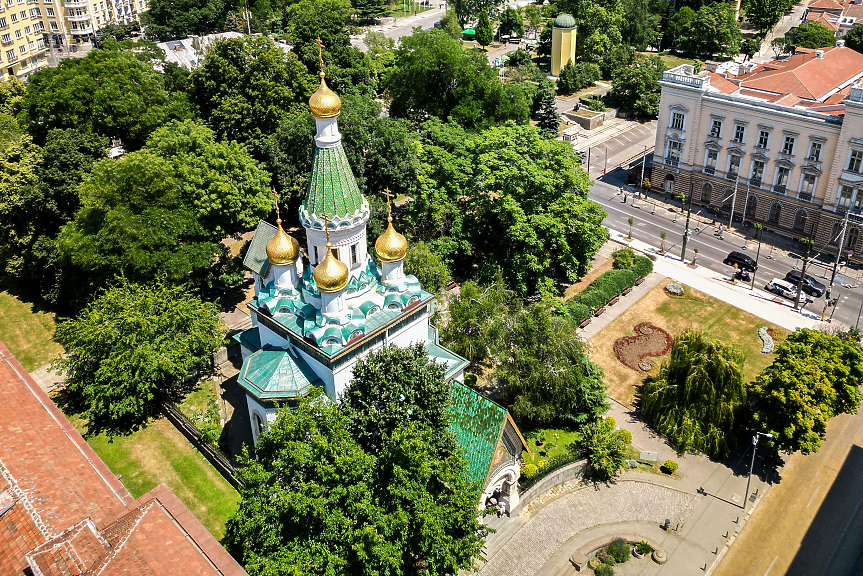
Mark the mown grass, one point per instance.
(558, 441)
(27, 333)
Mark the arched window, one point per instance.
(775, 212)
(706, 192)
(800, 218)
(257, 425)
(751, 206)
(851, 236)
(669, 186)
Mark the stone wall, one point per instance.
(571, 471)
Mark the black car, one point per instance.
(810, 285)
(743, 261)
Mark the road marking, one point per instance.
(771, 565)
(813, 496)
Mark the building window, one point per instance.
(27, 30)
(854, 161)
(18, 34)
(706, 192)
(733, 166)
(751, 206)
(13, 17)
(710, 163)
(354, 258)
(673, 155)
(677, 120)
(10, 55)
(3, 23)
(800, 220)
(31, 44)
(316, 254)
(22, 49)
(98, 20)
(739, 132)
(781, 179)
(53, 26)
(788, 145)
(775, 213)
(7, 38)
(815, 151)
(716, 128)
(845, 194)
(50, 12)
(757, 172)
(23, 14)
(807, 187)
(763, 139)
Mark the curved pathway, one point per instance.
(558, 520)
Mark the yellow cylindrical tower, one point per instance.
(562, 43)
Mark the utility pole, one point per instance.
(760, 229)
(643, 162)
(808, 243)
(839, 250)
(754, 448)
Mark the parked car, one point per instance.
(743, 261)
(783, 288)
(811, 286)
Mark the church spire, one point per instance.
(324, 103)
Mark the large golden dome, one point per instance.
(391, 246)
(331, 274)
(282, 248)
(325, 103)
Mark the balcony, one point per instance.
(710, 170)
(731, 175)
(82, 31)
(805, 197)
(6, 42)
(75, 4)
(14, 58)
(756, 182)
(81, 18)
(4, 26)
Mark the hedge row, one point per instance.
(607, 286)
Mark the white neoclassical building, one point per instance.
(318, 310)
(786, 136)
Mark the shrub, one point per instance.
(619, 550)
(603, 570)
(575, 77)
(530, 470)
(610, 420)
(642, 265)
(670, 466)
(593, 299)
(470, 380)
(605, 557)
(623, 259)
(579, 311)
(644, 548)
(626, 435)
(594, 102)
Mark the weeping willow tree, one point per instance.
(696, 395)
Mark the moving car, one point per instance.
(743, 261)
(810, 285)
(784, 289)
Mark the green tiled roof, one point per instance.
(332, 188)
(477, 423)
(256, 258)
(250, 338)
(276, 374)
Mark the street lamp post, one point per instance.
(760, 229)
(686, 226)
(754, 448)
(808, 243)
(839, 249)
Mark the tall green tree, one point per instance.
(308, 20)
(474, 319)
(636, 88)
(430, 269)
(813, 35)
(854, 39)
(510, 23)
(640, 24)
(246, 86)
(764, 13)
(545, 373)
(814, 377)
(484, 33)
(449, 23)
(172, 19)
(314, 502)
(606, 447)
(548, 120)
(162, 211)
(715, 30)
(696, 398)
(370, 8)
(109, 92)
(129, 349)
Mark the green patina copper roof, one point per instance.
(256, 258)
(477, 423)
(332, 188)
(277, 374)
(250, 338)
(564, 21)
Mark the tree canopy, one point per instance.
(171, 19)
(813, 35)
(695, 399)
(473, 325)
(430, 269)
(636, 88)
(764, 13)
(854, 39)
(129, 349)
(814, 377)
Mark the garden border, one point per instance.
(549, 479)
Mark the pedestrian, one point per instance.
(720, 230)
(501, 508)
(624, 197)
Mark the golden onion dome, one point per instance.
(391, 246)
(282, 248)
(331, 274)
(325, 103)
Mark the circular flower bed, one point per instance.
(649, 341)
(674, 289)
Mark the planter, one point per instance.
(627, 239)
(584, 323)
(613, 300)
(598, 311)
(626, 291)
(636, 553)
(639, 280)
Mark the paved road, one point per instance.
(649, 220)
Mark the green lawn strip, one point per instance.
(197, 399)
(649, 467)
(669, 60)
(27, 333)
(552, 446)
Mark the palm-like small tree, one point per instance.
(631, 222)
(662, 244)
(694, 258)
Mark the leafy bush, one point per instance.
(594, 102)
(644, 548)
(606, 448)
(578, 311)
(623, 259)
(605, 557)
(627, 435)
(603, 570)
(619, 550)
(208, 422)
(593, 299)
(575, 77)
(642, 266)
(670, 466)
(530, 470)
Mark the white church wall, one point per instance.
(270, 337)
(342, 240)
(417, 331)
(324, 373)
(259, 413)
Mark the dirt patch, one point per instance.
(675, 314)
(587, 279)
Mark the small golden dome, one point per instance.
(282, 248)
(325, 103)
(391, 246)
(331, 274)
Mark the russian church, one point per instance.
(317, 311)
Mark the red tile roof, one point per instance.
(720, 83)
(827, 5)
(70, 515)
(829, 20)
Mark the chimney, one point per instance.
(840, 43)
(819, 54)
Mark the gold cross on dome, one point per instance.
(326, 226)
(388, 193)
(276, 196)
(320, 53)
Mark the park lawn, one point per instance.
(669, 60)
(161, 454)
(27, 333)
(198, 398)
(696, 309)
(552, 446)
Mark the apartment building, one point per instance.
(780, 143)
(837, 15)
(30, 30)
